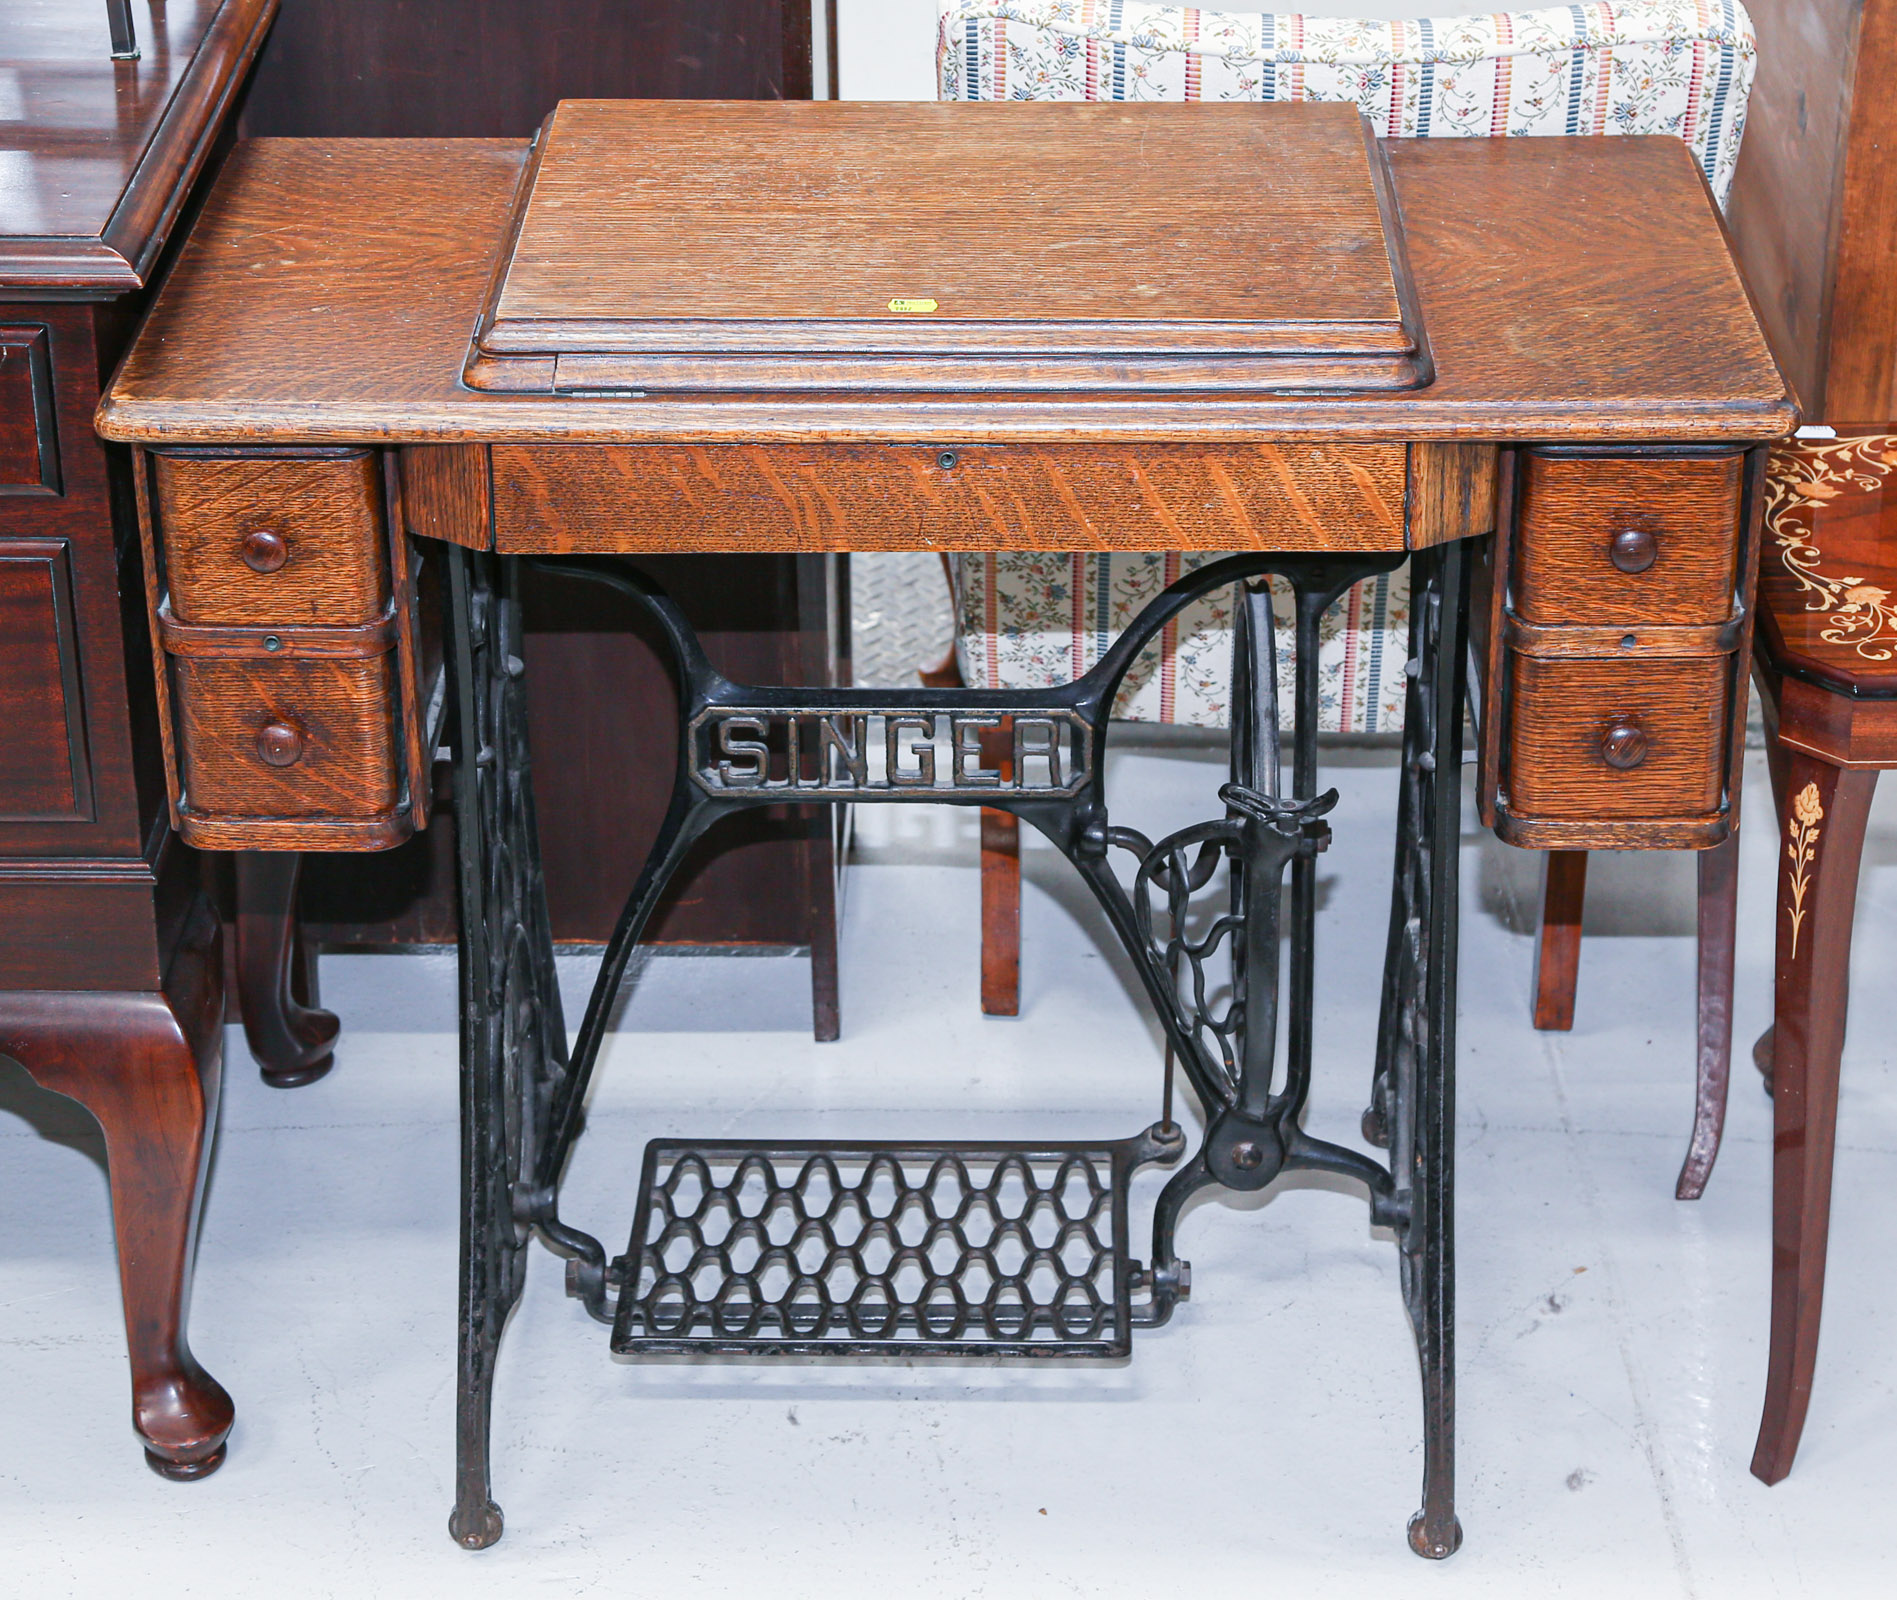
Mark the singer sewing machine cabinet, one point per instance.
(384, 375)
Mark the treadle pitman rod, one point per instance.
(785, 1249)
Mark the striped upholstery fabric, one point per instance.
(1678, 67)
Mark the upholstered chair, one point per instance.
(1671, 67)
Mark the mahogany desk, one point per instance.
(376, 384)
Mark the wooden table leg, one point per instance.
(1718, 920)
(1818, 869)
(1000, 914)
(148, 1067)
(1558, 944)
(293, 1042)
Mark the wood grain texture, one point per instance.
(1488, 601)
(1860, 378)
(325, 510)
(149, 1067)
(277, 643)
(1000, 914)
(69, 922)
(312, 253)
(1837, 728)
(1573, 506)
(1817, 900)
(1529, 832)
(109, 152)
(29, 449)
(122, 772)
(1558, 939)
(487, 68)
(43, 773)
(345, 712)
(1295, 496)
(445, 494)
(1787, 192)
(774, 245)
(1561, 711)
(1451, 493)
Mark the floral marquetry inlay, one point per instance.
(1807, 476)
(1802, 847)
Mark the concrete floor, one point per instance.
(1612, 1341)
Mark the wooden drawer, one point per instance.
(674, 499)
(293, 738)
(272, 538)
(1624, 540)
(282, 732)
(1593, 740)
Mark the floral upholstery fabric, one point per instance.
(1679, 67)
(1030, 620)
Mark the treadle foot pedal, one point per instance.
(793, 1248)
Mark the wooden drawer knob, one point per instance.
(279, 744)
(1624, 745)
(1632, 550)
(264, 550)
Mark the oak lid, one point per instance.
(798, 246)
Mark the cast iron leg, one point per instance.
(1433, 753)
(1718, 919)
(513, 1039)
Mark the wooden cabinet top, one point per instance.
(1566, 288)
(952, 248)
(97, 155)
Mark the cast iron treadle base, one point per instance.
(792, 1248)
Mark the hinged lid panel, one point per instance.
(679, 245)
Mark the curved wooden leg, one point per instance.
(1000, 914)
(147, 1066)
(292, 1042)
(1822, 840)
(1558, 943)
(1718, 920)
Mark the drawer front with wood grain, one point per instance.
(677, 499)
(290, 539)
(1625, 540)
(1593, 741)
(296, 676)
(296, 738)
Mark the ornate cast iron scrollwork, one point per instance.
(1213, 976)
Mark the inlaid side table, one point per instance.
(1826, 665)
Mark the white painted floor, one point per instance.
(1612, 1341)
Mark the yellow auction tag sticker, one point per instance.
(912, 305)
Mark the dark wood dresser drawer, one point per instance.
(29, 457)
(1622, 540)
(283, 539)
(297, 683)
(1617, 740)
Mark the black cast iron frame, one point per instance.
(523, 1091)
